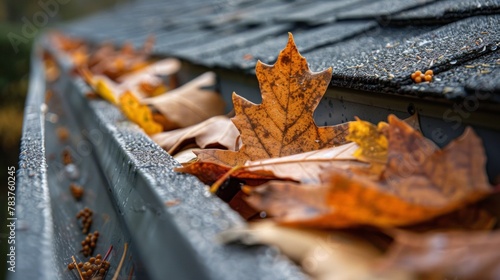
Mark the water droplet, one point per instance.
(195, 222)
(271, 252)
(138, 206)
(72, 171)
(206, 192)
(224, 225)
(493, 48)
(425, 42)
(159, 213)
(439, 241)
(453, 62)
(53, 118)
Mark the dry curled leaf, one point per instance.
(185, 155)
(304, 167)
(446, 255)
(323, 255)
(64, 42)
(283, 123)
(148, 81)
(142, 83)
(419, 182)
(216, 132)
(473, 217)
(189, 104)
(121, 62)
(52, 71)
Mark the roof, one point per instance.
(371, 45)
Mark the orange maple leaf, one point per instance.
(283, 123)
(419, 182)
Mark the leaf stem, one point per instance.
(215, 186)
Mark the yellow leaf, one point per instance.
(371, 140)
(105, 90)
(139, 113)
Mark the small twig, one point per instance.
(215, 186)
(117, 272)
(131, 273)
(108, 252)
(246, 189)
(77, 268)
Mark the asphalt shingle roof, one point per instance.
(447, 10)
(371, 45)
(389, 67)
(383, 8)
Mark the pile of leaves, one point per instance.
(147, 90)
(351, 201)
(390, 204)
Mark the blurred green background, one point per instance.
(14, 73)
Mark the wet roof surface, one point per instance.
(371, 45)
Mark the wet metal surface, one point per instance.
(34, 225)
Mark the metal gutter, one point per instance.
(34, 231)
(170, 220)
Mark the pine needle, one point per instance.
(77, 268)
(117, 272)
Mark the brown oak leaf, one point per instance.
(419, 182)
(283, 123)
